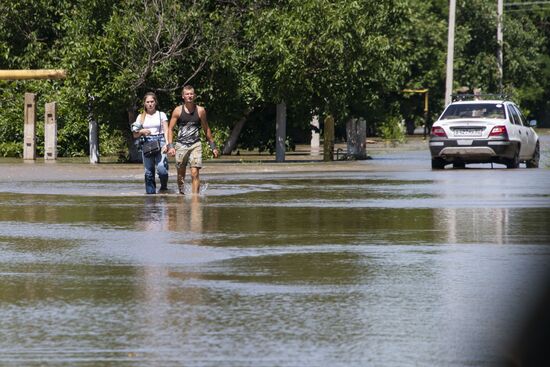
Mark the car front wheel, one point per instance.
(534, 161)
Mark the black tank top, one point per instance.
(189, 125)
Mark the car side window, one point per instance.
(516, 115)
(522, 119)
(513, 118)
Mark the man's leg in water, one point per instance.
(182, 157)
(181, 179)
(195, 162)
(195, 180)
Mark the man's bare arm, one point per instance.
(207, 131)
(173, 120)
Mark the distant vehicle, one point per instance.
(483, 131)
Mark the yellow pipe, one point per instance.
(425, 91)
(33, 74)
(415, 90)
(426, 101)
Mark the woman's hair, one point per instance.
(148, 94)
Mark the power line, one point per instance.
(525, 10)
(527, 6)
(528, 3)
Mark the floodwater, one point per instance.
(391, 268)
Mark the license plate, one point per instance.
(468, 132)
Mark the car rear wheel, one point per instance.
(513, 162)
(534, 162)
(438, 163)
(459, 165)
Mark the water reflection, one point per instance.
(493, 225)
(324, 270)
(165, 289)
(489, 225)
(187, 216)
(171, 213)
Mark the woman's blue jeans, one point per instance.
(158, 162)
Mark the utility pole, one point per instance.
(500, 61)
(450, 52)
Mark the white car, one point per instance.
(483, 131)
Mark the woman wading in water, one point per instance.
(150, 126)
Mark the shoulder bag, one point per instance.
(151, 147)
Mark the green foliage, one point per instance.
(476, 62)
(328, 55)
(113, 143)
(339, 57)
(11, 115)
(424, 37)
(11, 149)
(392, 129)
(219, 135)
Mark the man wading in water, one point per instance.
(189, 118)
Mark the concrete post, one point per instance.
(315, 136)
(29, 133)
(280, 127)
(50, 131)
(93, 133)
(328, 139)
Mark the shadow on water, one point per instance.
(337, 269)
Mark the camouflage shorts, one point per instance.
(191, 156)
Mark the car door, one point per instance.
(523, 133)
(518, 134)
(513, 130)
(528, 147)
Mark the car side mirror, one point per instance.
(533, 123)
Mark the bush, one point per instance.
(219, 135)
(392, 129)
(112, 143)
(11, 149)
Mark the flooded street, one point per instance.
(374, 263)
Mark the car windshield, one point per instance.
(474, 110)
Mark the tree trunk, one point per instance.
(280, 128)
(356, 131)
(134, 155)
(231, 143)
(328, 139)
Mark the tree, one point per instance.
(344, 58)
(326, 57)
